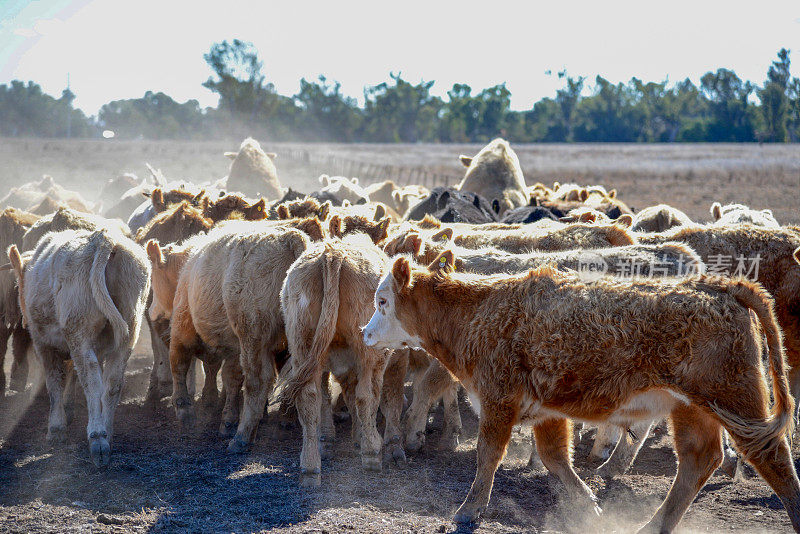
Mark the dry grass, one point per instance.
(688, 176)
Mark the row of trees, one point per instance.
(723, 107)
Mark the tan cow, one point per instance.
(253, 171)
(495, 174)
(220, 294)
(323, 306)
(82, 295)
(176, 224)
(13, 225)
(739, 214)
(579, 235)
(545, 347)
(659, 218)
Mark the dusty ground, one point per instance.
(160, 481)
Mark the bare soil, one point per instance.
(162, 481)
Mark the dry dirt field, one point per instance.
(160, 481)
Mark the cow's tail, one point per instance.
(97, 280)
(307, 364)
(763, 436)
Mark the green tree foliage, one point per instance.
(721, 108)
(154, 116)
(399, 111)
(25, 110)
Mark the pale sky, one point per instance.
(114, 49)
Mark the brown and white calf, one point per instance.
(82, 296)
(547, 347)
(323, 306)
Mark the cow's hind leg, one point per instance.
(88, 368)
(626, 450)
(5, 333)
(54, 371)
(497, 421)
(113, 377)
(452, 418)
(777, 468)
(232, 379)
(553, 441)
(209, 397)
(20, 343)
(258, 366)
(327, 429)
(392, 406)
(160, 377)
(308, 402)
(698, 443)
(434, 383)
(367, 399)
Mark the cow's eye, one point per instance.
(381, 302)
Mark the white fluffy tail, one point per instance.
(97, 281)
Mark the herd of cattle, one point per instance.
(480, 285)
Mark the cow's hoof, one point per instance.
(398, 456)
(238, 446)
(186, 419)
(17, 383)
(372, 463)
(310, 480)
(535, 463)
(286, 425)
(56, 435)
(227, 429)
(415, 441)
(603, 455)
(467, 519)
(326, 449)
(100, 451)
(449, 441)
(609, 470)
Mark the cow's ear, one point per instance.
(154, 253)
(354, 180)
(16, 260)
(198, 197)
(401, 272)
(716, 210)
(383, 228)
(260, 205)
(325, 210)
(283, 212)
(444, 263)
(445, 234)
(335, 226)
(612, 193)
(556, 185)
(272, 155)
(206, 202)
(157, 198)
(496, 206)
(466, 161)
(625, 220)
(583, 195)
(588, 217)
(413, 244)
(797, 255)
(346, 203)
(380, 212)
(325, 180)
(231, 155)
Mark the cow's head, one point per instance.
(390, 327)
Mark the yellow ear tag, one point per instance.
(259, 208)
